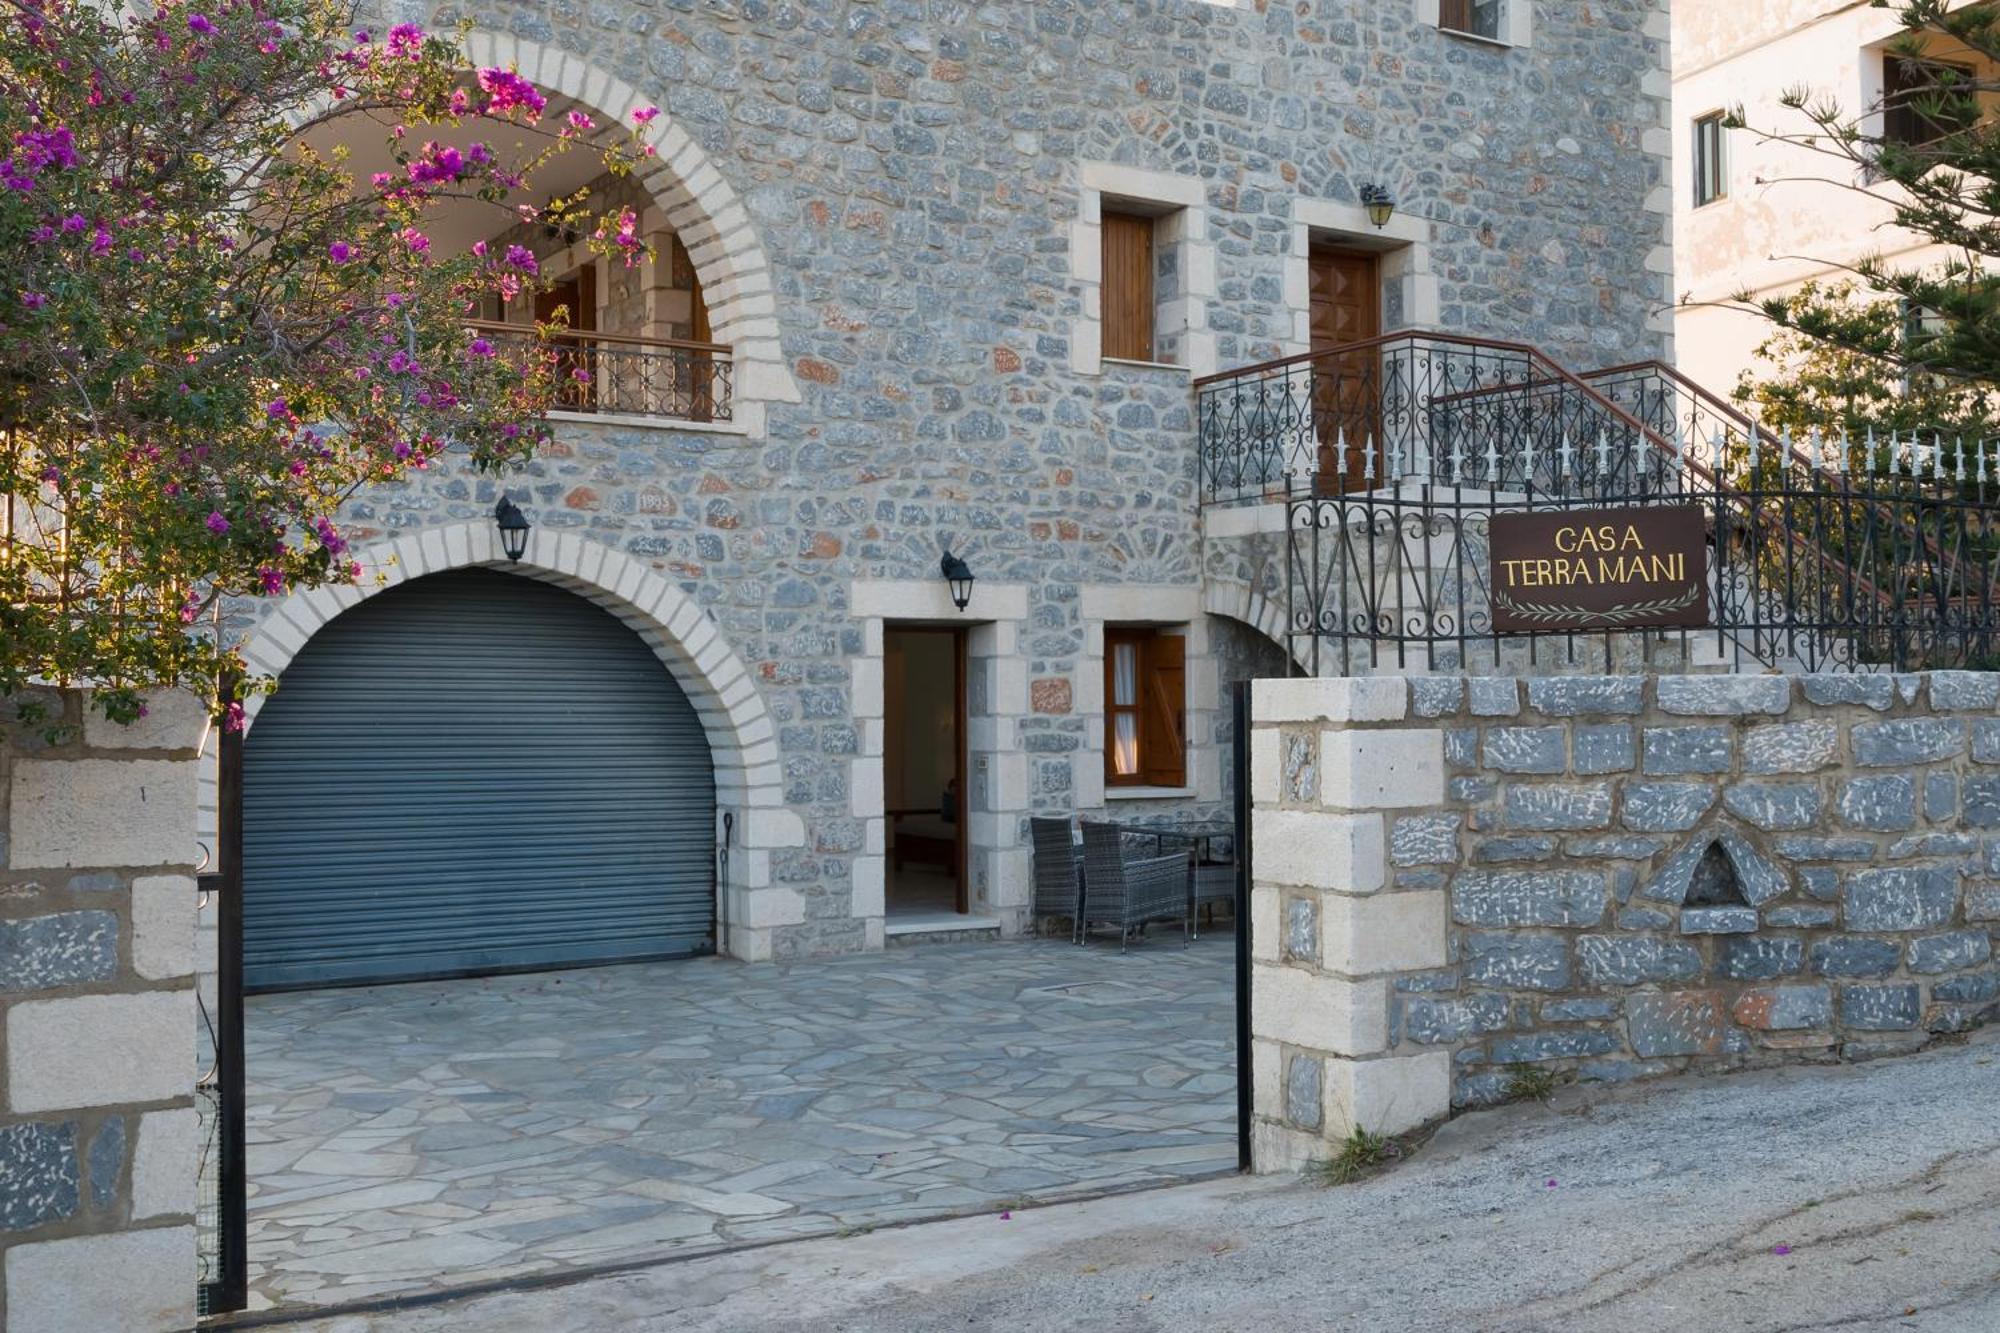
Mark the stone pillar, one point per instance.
(1331, 928)
(99, 1138)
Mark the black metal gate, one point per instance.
(222, 1228)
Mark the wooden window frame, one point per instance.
(1130, 321)
(1902, 123)
(1158, 711)
(1709, 152)
(1458, 16)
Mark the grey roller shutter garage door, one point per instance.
(473, 772)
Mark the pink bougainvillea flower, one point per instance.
(579, 121)
(505, 90)
(34, 300)
(200, 23)
(644, 115)
(75, 222)
(273, 580)
(217, 524)
(521, 257)
(405, 40)
(416, 240)
(1552, 1183)
(1781, 1250)
(277, 409)
(480, 348)
(340, 252)
(232, 716)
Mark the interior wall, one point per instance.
(919, 674)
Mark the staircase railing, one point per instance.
(1411, 406)
(1852, 555)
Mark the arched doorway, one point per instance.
(473, 773)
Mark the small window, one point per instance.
(1145, 708)
(1909, 87)
(1475, 18)
(1128, 286)
(1711, 160)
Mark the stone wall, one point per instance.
(98, 1135)
(888, 206)
(1612, 878)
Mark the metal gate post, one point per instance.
(1240, 746)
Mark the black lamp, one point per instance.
(1381, 205)
(513, 528)
(959, 575)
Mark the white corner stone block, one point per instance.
(163, 921)
(117, 1282)
(174, 720)
(763, 909)
(102, 812)
(1264, 766)
(1381, 770)
(1279, 1149)
(99, 1050)
(1388, 932)
(1330, 699)
(1386, 1096)
(1266, 923)
(1314, 850)
(868, 886)
(1301, 1008)
(165, 1164)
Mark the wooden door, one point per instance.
(576, 297)
(1346, 293)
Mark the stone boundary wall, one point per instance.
(99, 1140)
(1457, 879)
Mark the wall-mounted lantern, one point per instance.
(1381, 205)
(958, 574)
(513, 528)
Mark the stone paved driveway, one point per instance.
(412, 1138)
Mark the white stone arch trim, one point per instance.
(741, 735)
(699, 204)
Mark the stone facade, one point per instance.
(1617, 877)
(98, 1135)
(890, 207)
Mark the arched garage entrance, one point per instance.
(473, 773)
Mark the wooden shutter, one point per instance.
(1455, 15)
(1128, 287)
(1163, 680)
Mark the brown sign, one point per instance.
(1645, 566)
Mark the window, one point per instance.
(1128, 286)
(1909, 87)
(1476, 18)
(1145, 708)
(1711, 160)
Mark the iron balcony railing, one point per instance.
(614, 374)
(1825, 555)
(1412, 405)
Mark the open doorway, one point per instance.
(923, 745)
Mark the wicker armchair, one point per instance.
(1058, 881)
(1213, 886)
(1128, 894)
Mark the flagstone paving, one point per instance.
(423, 1137)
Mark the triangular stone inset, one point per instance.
(1757, 878)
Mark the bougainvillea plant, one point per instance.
(222, 309)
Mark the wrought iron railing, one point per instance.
(1874, 554)
(1413, 405)
(614, 374)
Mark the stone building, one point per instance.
(928, 279)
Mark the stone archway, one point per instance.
(741, 735)
(700, 206)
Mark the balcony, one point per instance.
(620, 376)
